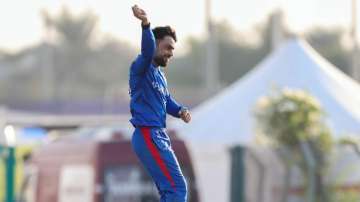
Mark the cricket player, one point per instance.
(150, 102)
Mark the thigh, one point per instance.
(153, 147)
(171, 167)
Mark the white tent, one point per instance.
(227, 118)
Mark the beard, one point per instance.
(161, 61)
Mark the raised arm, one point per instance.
(147, 43)
(148, 39)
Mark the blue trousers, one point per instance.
(153, 148)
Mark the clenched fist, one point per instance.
(140, 14)
(185, 115)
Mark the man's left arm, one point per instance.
(176, 110)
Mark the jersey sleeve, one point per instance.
(148, 47)
(172, 107)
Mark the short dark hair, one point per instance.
(161, 32)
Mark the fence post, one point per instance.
(237, 174)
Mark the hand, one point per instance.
(140, 14)
(185, 115)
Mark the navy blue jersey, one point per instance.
(150, 98)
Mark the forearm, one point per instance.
(147, 41)
(172, 107)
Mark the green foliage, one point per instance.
(344, 196)
(291, 118)
(349, 141)
(294, 116)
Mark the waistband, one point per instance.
(151, 127)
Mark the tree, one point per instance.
(294, 119)
(73, 31)
(78, 62)
(328, 42)
(85, 70)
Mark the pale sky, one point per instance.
(21, 24)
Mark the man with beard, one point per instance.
(150, 102)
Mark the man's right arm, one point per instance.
(147, 42)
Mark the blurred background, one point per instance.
(273, 87)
